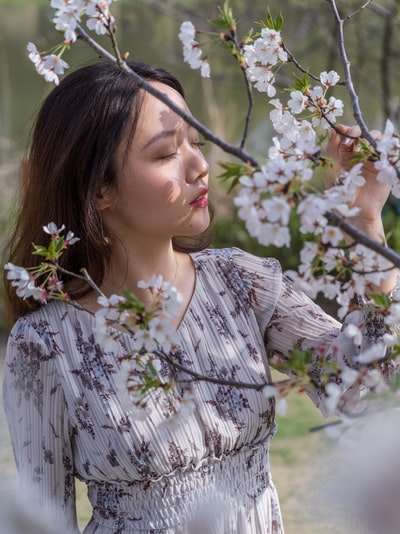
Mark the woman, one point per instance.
(126, 174)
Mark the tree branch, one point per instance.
(364, 239)
(348, 79)
(357, 11)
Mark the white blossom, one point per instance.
(104, 335)
(274, 234)
(99, 15)
(277, 209)
(187, 33)
(353, 332)
(374, 353)
(34, 55)
(333, 395)
(394, 315)
(192, 53)
(328, 79)
(68, 16)
(269, 391)
(390, 340)
(297, 102)
(163, 332)
(331, 235)
(266, 50)
(24, 283)
(263, 79)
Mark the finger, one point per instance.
(376, 134)
(353, 131)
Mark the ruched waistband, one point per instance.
(178, 498)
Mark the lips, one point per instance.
(201, 201)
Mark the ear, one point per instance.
(105, 197)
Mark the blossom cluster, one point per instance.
(42, 283)
(192, 53)
(266, 198)
(151, 328)
(282, 185)
(67, 17)
(388, 164)
(152, 334)
(261, 56)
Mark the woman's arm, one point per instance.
(39, 427)
(370, 198)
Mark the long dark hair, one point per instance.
(77, 131)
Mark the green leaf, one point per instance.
(248, 38)
(219, 24)
(274, 24)
(301, 84)
(233, 172)
(226, 21)
(40, 250)
(132, 303)
(382, 300)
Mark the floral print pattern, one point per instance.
(66, 420)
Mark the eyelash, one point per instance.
(198, 144)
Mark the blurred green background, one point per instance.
(148, 30)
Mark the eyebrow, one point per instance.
(158, 136)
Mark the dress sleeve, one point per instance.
(289, 319)
(298, 322)
(39, 428)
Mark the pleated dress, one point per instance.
(206, 472)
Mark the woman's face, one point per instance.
(161, 187)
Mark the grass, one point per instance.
(300, 462)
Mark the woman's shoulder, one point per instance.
(241, 259)
(48, 317)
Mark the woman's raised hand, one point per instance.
(372, 196)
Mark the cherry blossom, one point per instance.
(192, 53)
(68, 15)
(297, 102)
(99, 16)
(263, 79)
(24, 283)
(48, 66)
(328, 79)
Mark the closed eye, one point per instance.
(168, 156)
(199, 144)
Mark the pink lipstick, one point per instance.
(201, 201)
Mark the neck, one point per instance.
(127, 268)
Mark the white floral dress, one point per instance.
(209, 474)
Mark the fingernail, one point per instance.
(347, 141)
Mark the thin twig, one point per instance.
(114, 43)
(232, 37)
(84, 276)
(348, 79)
(219, 381)
(349, 82)
(357, 11)
(300, 67)
(249, 109)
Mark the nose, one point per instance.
(197, 166)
